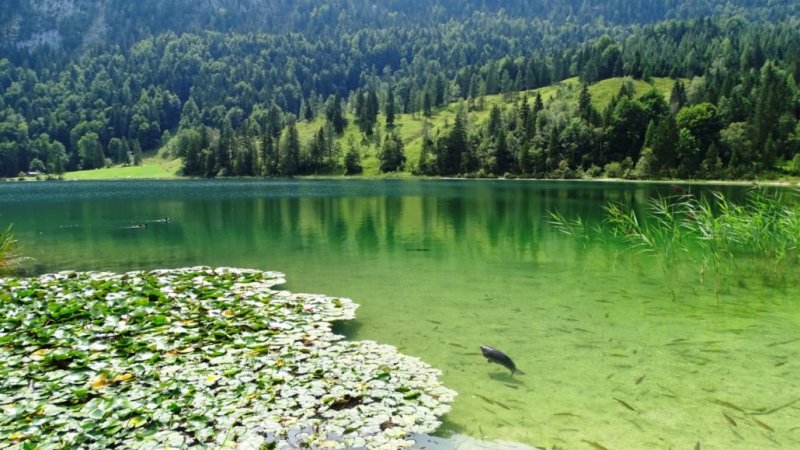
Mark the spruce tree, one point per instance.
(390, 109)
(426, 105)
(290, 151)
(677, 98)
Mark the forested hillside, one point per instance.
(226, 84)
(69, 24)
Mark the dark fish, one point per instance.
(727, 405)
(492, 402)
(763, 425)
(730, 420)
(625, 404)
(790, 341)
(494, 355)
(595, 445)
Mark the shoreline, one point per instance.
(746, 182)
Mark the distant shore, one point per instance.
(405, 176)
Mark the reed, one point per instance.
(760, 235)
(764, 230)
(8, 258)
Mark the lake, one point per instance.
(617, 352)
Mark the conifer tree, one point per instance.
(290, 151)
(677, 98)
(390, 114)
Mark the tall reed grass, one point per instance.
(760, 234)
(8, 259)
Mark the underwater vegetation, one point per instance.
(760, 235)
(201, 358)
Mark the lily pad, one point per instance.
(198, 357)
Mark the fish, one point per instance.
(727, 405)
(625, 404)
(494, 355)
(790, 341)
(595, 445)
(730, 420)
(492, 402)
(763, 425)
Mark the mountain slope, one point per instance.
(72, 24)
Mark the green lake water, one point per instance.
(617, 352)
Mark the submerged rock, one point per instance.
(199, 357)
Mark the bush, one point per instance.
(795, 164)
(594, 172)
(613, 170)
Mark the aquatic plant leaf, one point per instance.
(214, 357)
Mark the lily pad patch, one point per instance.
(202, 358)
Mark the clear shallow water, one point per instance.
(611, 357)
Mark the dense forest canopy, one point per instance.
(85, 84)
(70, 24)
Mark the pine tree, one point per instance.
(774, 96)
(390, 109)
(306, 112)
(425, 164)
(426, 105)
(392, 156)
(136, 150)
(677, 98)
(318, 150)
(538, 105)
(333, 111)
(352, 160)
(372, 108)
(274, 121)
(290, 151)
(524, 110)
(494, 126)
(663, 140)
(449, 160)
(585, 108)
(190, 116)
(227, 145)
